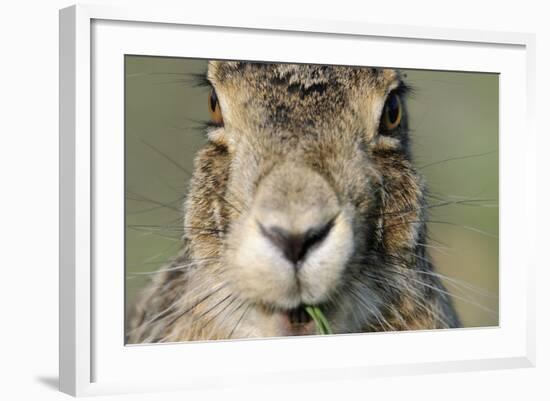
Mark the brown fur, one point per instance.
(299, 140)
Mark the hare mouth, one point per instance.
(294, 322)
(297, 322)
(298, 315)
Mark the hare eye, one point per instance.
(391, 118)
(214, 108)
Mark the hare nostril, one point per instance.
(295, 245)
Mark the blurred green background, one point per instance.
(454, 133)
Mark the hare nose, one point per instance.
(295, 246)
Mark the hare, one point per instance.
(306, 194)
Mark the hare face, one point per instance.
(304, 195)
(301, 185)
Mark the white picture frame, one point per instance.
(93, 357)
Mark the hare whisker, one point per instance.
(373, 311)
(141, 198)
(217, 314)
(456, 158)
(240, 318)
(469, 301)
(191, 308)
(176, 267)
(178, 165)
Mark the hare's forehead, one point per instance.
(292, 78)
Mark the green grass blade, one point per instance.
(324, 321)
(319, 318)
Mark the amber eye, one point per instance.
(391, 118)
(214, 108)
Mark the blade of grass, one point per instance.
(324, 321)
(319, 318)
(311, 311)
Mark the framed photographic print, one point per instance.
(326, 191)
